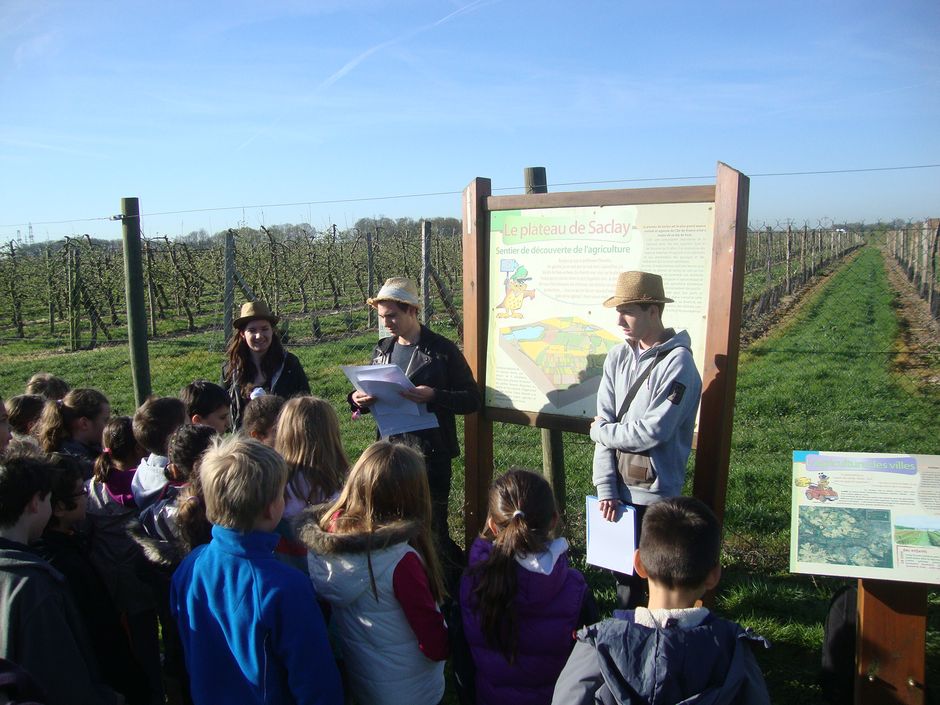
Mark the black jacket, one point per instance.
(438, 364)
(293, 381)
(68, 554)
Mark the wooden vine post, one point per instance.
(425, 271)
(134, 288)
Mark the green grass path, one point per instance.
(823, 382)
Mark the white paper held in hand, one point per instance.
(610, 544)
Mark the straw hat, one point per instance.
(399, 289)
(637, 288)
(253, 310)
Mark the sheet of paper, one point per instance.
(393, 413)
(610, 544)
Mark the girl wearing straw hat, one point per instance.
(257, 363)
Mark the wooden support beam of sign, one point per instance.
(553, 441)
(615, 197)
(891, 645)
(519, 417)
(720, 368)
(478, 429)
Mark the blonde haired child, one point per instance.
(250, 625)
(308, 439)
(372, 559)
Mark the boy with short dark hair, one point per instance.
(40, 627)
(207, 404)
(672, 648)
(154, 422)
(251, 628)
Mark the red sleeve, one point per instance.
(413, 592)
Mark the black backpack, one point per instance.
(837, 678)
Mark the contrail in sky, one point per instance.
(359, 58)
(355, 61)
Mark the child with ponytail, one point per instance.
(520, 602)
(117, 557)
(372, 559)
(110, 507)
(73, 425)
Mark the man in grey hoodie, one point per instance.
(646, 408)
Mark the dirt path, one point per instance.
(919, 346)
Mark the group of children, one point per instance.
(279, 574)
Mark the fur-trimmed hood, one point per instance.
(324, 543)
(344, 567)
(163, 554)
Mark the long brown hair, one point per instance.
(522, 511)
(388, 483)
(241, 368)
(308, 439)
(55, 424)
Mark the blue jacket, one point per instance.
(620, 662)
(251, 628)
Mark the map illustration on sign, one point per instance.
(846, 536)
(564, 357)
(550, 269)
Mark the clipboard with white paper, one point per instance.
(610, 544)
(393, 413)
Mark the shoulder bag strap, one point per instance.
(639, 382)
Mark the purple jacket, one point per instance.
(548, 604)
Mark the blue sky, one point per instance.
(192, 106)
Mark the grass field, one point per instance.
(916, 537)
(824, 380)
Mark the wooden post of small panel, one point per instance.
(720, 368)
(478, 430)
(891, 644)
(553, 442)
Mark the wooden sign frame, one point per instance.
(730, 196)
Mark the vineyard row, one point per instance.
(71, 292)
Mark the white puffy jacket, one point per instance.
(384, 664)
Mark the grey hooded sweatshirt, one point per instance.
(659, 421)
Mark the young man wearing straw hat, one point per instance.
(442, 380)
(646, 407)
